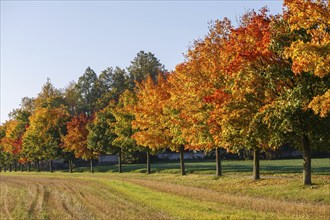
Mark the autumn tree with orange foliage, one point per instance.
(309, 22)
(300, 38)
(5, 159)
(149, 115)
(75, 139)
(310, 51)
(194, 80)
(13, 131)
(245, 89)
(12, 141)
(264, 103)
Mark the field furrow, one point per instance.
(133, 196)
(262, 205)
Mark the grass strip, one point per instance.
(180, 207)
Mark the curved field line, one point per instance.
(5, 204)
(303, 210)
(32, 208)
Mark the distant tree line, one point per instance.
(257, 86)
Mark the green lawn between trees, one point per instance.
(165, 194)
(319, 166)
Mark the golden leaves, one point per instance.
(309, 21)
(148, 112)
(321, 104)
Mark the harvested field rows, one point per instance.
(59, 198)
(104, 196)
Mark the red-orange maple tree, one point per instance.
(247, 57)
(76, 138)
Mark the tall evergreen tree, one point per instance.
(143, 65)
(71, 96)
(111, 84)
(88, 92)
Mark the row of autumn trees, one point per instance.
(82, 120)
(256, 86)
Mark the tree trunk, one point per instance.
(256, 164)
(120, 170)
(0, 168)
(92, 168)
(5, 168)
(70, 166)
(37, 165)
(29, 166)
(15, 165)
(148, 162)
(307, 161)
(9, 167)
(51, 166)
(21, 167)
(218, 162)
(183, 171)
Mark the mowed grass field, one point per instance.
(165, 194)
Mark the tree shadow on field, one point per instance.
(293, 169)
(209, 167)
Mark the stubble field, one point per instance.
(167, 195)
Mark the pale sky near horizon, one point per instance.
(60, 39)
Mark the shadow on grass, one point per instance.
(293, 169)
(208, 167)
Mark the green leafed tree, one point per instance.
(111, 84)
(143, 65)
(42, 139)
(71, 98)
(101, 132)
(88, 92)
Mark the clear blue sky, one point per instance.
(59, 39)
